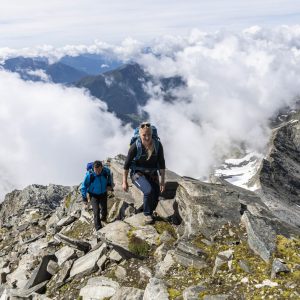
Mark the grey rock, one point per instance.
(261, 236)
(23, 293)
(66, 221)
(64, 272)
(148, 234)
(215, 297)
(189, 260)
(88, 263)
(52, 223)
(35, 238)
(205, 207)
(186, 246)
(116, 233)
(165, 208)
(40, 274)
(128, 293)
(221, 259)
(78, 244)
(99, 288)
(279, 175)
(245, 266)
(46, 198)
(192, 292)
(278, 266)
(19, 277)
(115, 256)
(120, 273)
(135, 220)
(156, 289)
(145, 273)
(36, 248)
(166, 237)
(63, 254)
(52, 267)
(161, 252)
(101, 262)
(164, 266)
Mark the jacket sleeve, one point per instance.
(132, 152)
(161, 157)
(85, 185)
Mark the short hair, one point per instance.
(97, 164)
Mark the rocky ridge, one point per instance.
(209, 240)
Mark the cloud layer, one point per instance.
(49, 133)
(235, 83)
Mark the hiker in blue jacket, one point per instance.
(96, 183)
(145, 158)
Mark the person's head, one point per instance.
(97, 166)
(145, 132)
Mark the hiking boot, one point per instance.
(148, 220)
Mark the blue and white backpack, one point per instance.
(137, 140)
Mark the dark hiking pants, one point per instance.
(150, 188)
(99, 205)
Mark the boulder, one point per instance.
(205, 207)
(156, 289)
(279, 266)
(63, 254)
(78, 244)
(99, 288)
(192, 292)
(128, 293)
(88, 263)
(40, 274)
(261, 236)
(116, 233)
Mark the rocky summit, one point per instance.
(209, 240)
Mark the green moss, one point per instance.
(162, 226)
(80, 230)
(35, 216)
(173, 293)
(138, 246)
(68, 200)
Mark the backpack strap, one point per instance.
(139, 148)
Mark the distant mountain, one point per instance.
(68, 69)
(124, 89)
(39, 69)
(61, 73)
(93, 64)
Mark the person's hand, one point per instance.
(162, 187)
(125, 186)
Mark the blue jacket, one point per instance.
(96, 184)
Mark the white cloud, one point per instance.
(50, 132)
(39, 73)
(235, 83)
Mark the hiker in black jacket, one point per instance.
(145, 158)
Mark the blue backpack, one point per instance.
(137, 140)
(89, 168)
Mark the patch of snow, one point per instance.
(240, 171)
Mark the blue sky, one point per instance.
(59, 22)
